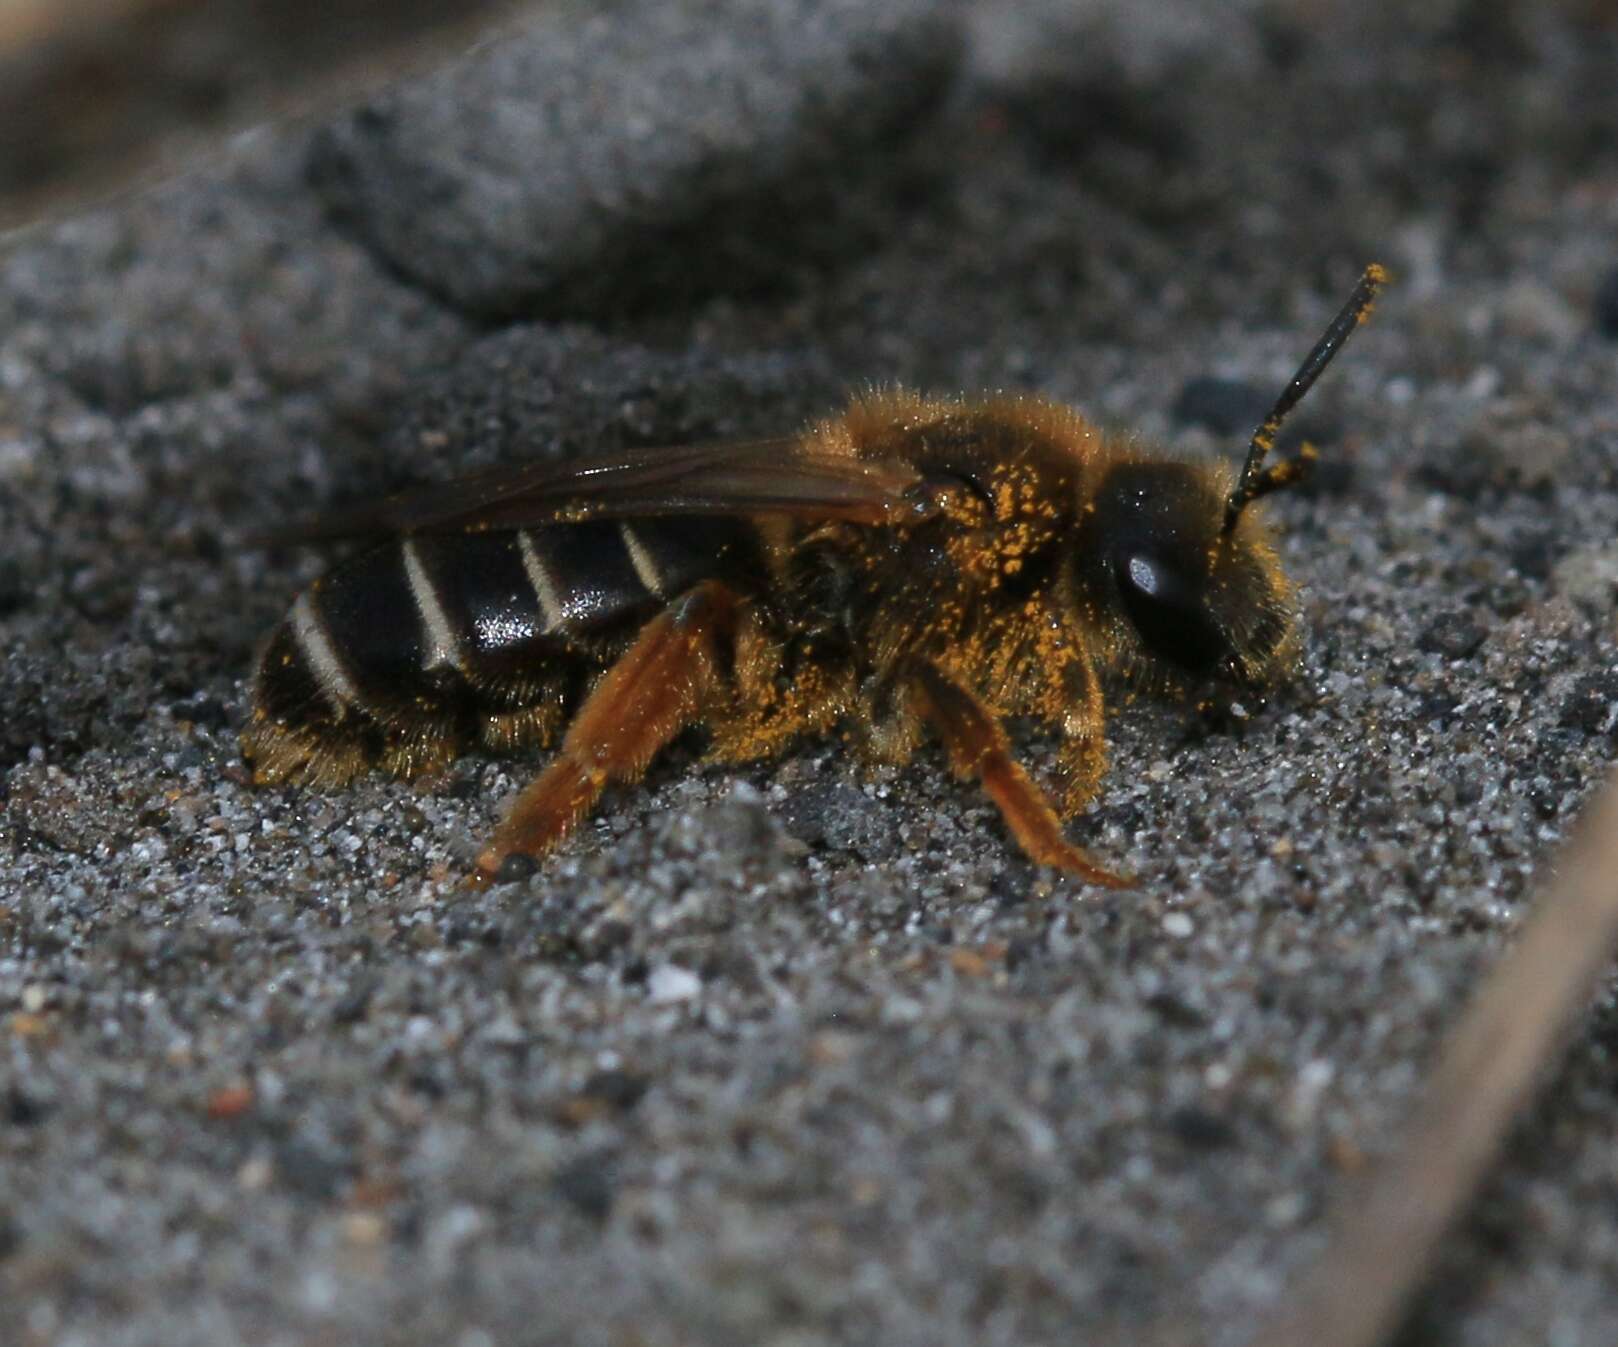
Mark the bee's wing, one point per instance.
(783, 476)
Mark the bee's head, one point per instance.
(1181, 597)
(1175, 565)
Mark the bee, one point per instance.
(912, 564)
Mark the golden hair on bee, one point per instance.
(912, 564)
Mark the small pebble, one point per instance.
(1592, 706)
(1454, 635)
(670, 983)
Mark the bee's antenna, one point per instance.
(1255, 480)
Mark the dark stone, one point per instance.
(1176, 1011)
(620, 1090)
(1224, 406)
(585, 1185)
(1534, 555)
(1604, 305)
(1200, 1129)
(356, 1001)
(1233, 409)
(517, 867)
(1546, 801)
(1021, 950)
(23, 1109)
(203, 710)
(14, 589)
(1454, 635)
(840, 817)
(1591, 705)
(310, 1170)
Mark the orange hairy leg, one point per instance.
(1082, 757)
(654, 691)
(977, 747)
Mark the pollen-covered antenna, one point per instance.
(1256, 480)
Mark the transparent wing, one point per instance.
(784, 476)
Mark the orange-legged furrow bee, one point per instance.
(909, 563)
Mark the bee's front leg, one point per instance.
(656, 689)
(1081, 717)
(977, 747)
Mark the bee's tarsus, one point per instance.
(654, 691)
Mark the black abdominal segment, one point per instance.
(432, 625)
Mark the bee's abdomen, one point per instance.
(441, 637)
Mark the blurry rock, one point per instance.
(1513, 443)
(97, 93)
(1530, 311)
(643, 149)
(1589, 576)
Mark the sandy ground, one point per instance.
(796, 1055)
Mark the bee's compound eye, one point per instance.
(1170, 613)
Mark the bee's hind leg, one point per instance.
(656, 689)
(977, 747)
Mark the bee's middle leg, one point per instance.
(978, 747)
